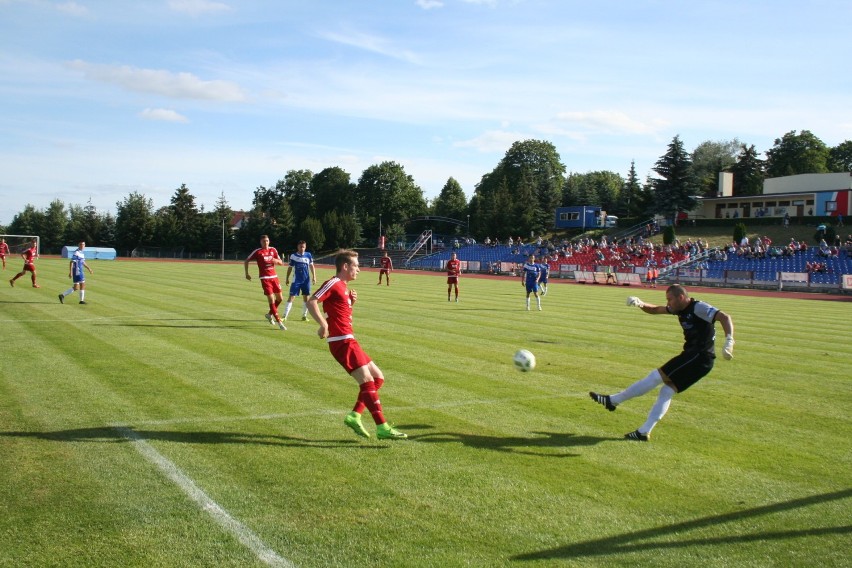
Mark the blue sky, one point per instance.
(104, 97)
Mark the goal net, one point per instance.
(20, 243)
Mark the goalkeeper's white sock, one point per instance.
(638, 388)
(661, 406)
(287, 309)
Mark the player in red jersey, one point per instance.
(386, 267)
(4, 250)
(336, 329)
(29, 257)
(453, 271)
(266, 258)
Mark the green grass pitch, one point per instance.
(165, 423)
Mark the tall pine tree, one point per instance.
(675, 189)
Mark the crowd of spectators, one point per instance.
(816, 266)
(625, 253)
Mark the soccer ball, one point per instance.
(524, 360)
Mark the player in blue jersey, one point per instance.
(76, 273)
(545, 272)
(530, 274)
(302, 263)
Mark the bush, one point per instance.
(669, 234)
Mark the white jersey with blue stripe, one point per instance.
(78, 261)
(301, 267)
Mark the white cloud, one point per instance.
(162, 114)
(492, 141)
(371, 43)
(165, 83)
(429, 4)
(198, 7)
(609, 122)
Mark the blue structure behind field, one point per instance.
(91, 253)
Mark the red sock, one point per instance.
(273, 309)
(370, 398)
(360, 407)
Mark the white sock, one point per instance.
(82, 295)
(305, 309)
(538, 301)
(287, 309)
(638, 388)
(68, 292)
(528, 302)
(661, 406)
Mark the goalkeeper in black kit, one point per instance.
(698, 321)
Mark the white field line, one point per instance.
(231, 525)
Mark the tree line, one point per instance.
(517, 198)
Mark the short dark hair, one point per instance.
(677, 290)
(344, 256)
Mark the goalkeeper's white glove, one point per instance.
(634, 301)
(728, 350)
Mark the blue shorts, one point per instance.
(78, 279)
(532, 288)
(303, 288)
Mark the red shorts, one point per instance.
(349, 354)
(452, 279)
(383, 271)
(28, 267)
(270, 286)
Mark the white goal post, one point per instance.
(20, 243)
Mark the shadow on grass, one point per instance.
(640, 541)
(540, 445)
(127, 434)
(190, 323)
